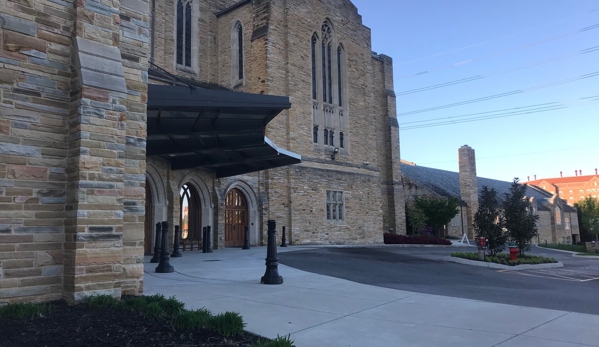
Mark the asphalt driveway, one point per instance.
(575, 287)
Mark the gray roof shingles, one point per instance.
(447, 183)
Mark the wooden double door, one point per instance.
(236, 218)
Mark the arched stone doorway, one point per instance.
(236, 218)
(156, 206)
(190, 217)
(148, 224)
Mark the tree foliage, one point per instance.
(438, 211)
(415, 218)
(489, 221)
(588, 210)
(520, 221)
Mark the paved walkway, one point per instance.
(325, 311)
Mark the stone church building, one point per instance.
(557, 222)
(116, 115)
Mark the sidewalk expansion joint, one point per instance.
(351, 314)
(533, 328)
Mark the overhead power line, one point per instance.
(503, 113)
(475, 78)
(465, 62)
(501, 95)
(511, 155)
(493, 40)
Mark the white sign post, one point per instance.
(465, 237)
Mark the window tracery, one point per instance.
(329, 86)
(184, 32)
(237, 53)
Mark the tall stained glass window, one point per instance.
(183, 46)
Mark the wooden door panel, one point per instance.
(235, 218)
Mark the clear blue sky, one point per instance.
(509, 46)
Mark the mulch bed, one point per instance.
(81, 326)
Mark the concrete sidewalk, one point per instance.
(325, 311)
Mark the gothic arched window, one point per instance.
(329, 86)
(314, 87)
(315, 134)
(327, 92)
(237, 52)
(340, 71)
(184, 33)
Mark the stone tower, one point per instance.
(468, 185)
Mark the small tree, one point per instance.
(520, 221)
(415, 218)
(489, 222)
(438, 211)
(589, 215)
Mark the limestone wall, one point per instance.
(363, 214)
(34, 108)
(72, 118)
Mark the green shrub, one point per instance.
(102, 301)
(227, 324)
(171, 306)
(154, 298)
(154, 311)
(280, 341)
(192, 320)
(24, 310)
(136, 303)
(503, 258)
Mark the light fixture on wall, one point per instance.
(334, 153)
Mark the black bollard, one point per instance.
(246, 238)
(164, 266)
(271, 276)
(283, 241)
(176, 244)
(156, 257)
(208, 240)
(204, 240)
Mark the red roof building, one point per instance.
(571, 189)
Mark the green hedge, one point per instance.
(504, 259)
(573, 248)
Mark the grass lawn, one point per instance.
(573, 248)
(148, 321)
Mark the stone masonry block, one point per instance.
(17, 24)
(98, 49)
(101, 80)
(28, 173)
(109, 66)
(136, 5)
(40, 229)
(15, 42)
(19, 150)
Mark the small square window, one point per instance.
(335, 205)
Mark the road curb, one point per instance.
(586, 256)
(374, 245)
(574, 254)
(501, 266)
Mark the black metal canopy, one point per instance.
(217, 130)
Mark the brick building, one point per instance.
(116, 115)
(557, 222)
(572, 189)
